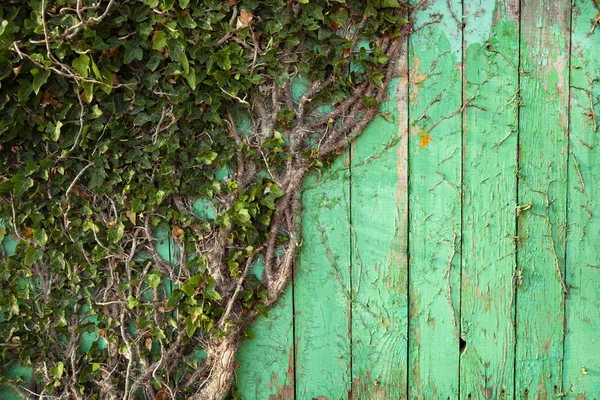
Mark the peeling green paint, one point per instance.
(581, 376)
(489, 203)
(322, 287)
(435, 55)
(379, 259)
(543, 142)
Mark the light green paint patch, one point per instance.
(581, 376)
(10, 244)
(435, 54)
(204, 208)
(322, 287)
(542, 219)
(163, 245)
(379, 260)
(89, 339)
(489, 177)
(222, 173)
(14, 371)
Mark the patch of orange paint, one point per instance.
(424, 138)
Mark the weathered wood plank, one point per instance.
(322, 286)
(435, 54)
(266, 362)
(543, 143)
(581, 376)
(379, 198)
(489, 177)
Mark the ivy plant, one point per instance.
(119, 120)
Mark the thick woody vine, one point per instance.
(117, 120)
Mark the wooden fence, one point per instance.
(454, 250)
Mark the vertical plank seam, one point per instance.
(406, 233)
(294, 355)
(462, 187)
(517, 219)
(350, 259)
(408, 187)
(566, 295)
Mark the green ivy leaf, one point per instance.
(206, 157)
(176, 296)
(40, 236)
(389, 4)
(190, 327)
(132, 302)
(5, 67)
(190, 286)
(243, 215)
(53, 131)
(115, 233)
(211, 294)
(160, 40)
(40, 77)
(132, 52)
(6, 186)
(57, 370)
(21, 184)
(88, 87)
(33, 255)
(377, 79)
(221, 58)
(95, 113)
(187, 22)
(106, 77)
(154, 279)
(262, 310)
(82, 65)
(191, 78)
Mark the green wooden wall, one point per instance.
(453, 251)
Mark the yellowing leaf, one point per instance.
(131, 216)
(244, 19)
(177, 231)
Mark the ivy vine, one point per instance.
(118, 121)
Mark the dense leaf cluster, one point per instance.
(123, 121)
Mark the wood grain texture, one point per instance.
(542, 214)
(379, 196)
(489, 177)
(582, 343)
(266, 362)
(322, 289)
(435, 54)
